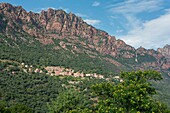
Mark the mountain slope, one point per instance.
(58, 31)
(54, 38)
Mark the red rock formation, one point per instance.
(165, 51)
(57, 24)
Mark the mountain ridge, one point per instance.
(72, 33)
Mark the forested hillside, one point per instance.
(115, 77)
(37, 92)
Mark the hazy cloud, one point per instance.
(135, 6)
(38, 10)
(119, 31)
(167, 10)
(130, 8)
(152, 34)
(96, 4)
(81, 15)
(65, 9)
(92, 22)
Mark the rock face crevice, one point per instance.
(57, 24)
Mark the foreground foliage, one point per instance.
(69, 100)
(19, 108)
(134, 94)
(36, 92)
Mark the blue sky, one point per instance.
(138, 22)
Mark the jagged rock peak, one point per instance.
(2, 5)
(167, 46)
(9, 6)
(6, 7)
(165, 51)
(59, 24)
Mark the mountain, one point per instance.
(165, 51)
(53, 42)
(67, 32)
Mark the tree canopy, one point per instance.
(134, 94)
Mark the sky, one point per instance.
(143, 23)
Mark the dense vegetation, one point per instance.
(162, 87)
(18, 108)
(37, 92)
(27, 92)
(33, 90)
(133, 95)
(37, 54)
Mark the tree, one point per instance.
(134, 94)
(70, 101)
(19, 108)
(3, 107)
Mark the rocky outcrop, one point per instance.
(57, 24)
(165, 51)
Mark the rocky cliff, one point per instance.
(72, 32)
(165, 51)
(57, 24)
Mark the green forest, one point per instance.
(40, 93)
(24, 92)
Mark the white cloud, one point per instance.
(96, 4)
(81, 15)
(119, 31)
(92, 22)
(38, 10)
(132, 21)
(167, 10)
(130, 8)
(136, 6)
(151, 34)
(65, 9)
